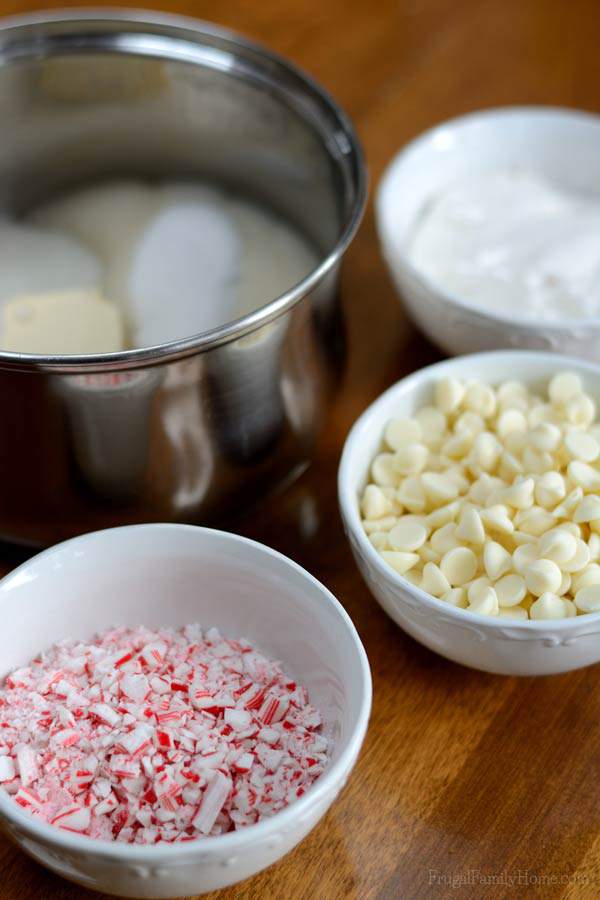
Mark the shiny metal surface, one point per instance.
(191, 430)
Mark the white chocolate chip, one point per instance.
(542, 576)
(379, 539)
(449, 394)
(514, 612)
(586, 577)
(432, 422)
(588, 599)
(456, 597)
(509, 391)
(510, 590)
(410, 459)
(411, 494)
(515, 443)
(536, 462)
(496, 560)
(549, 489)
(509, 466)
(588, 509)
(443, 515)
(563, 386)
(545, 437)
(408, 534)
(542, 413)
(520, 494)
(383, 470)
(523, 556)
(496, 519)
(459, 565)
(565, 584)
(580, 410)
(434, 581)
(374, 502)
(458, 477)
(584, 475)
(480, 399)
(511, 420)
(401, 562)
(581, 445)
(444, 538)
(400, 432)
(428, 554)
(414, 576)
(469, 423)
(485, 453)
(477, 588)
(470, 527)
(594, 546)
(384, 524)
(458, 445)
(580, 560)
(558, 544)
(548, 606)
(482, 489)
(572, 527)
(569, 504)
(486, 604)
(438, 487)
(521, 537)
(535, 521)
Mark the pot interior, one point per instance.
(86, 99)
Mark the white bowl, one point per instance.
(562, 144)
(490, 644)
(175, 574)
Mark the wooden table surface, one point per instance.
(469, 785)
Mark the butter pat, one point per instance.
(61, 322)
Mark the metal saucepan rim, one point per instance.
(206, 340)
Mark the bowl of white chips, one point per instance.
(470, 494)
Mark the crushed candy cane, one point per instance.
(143, 736)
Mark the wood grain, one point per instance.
(466, 780)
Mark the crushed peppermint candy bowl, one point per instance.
(197, 670)
(499, 645)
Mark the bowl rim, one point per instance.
(347, 486)
(343, 134)
(230, 841)
(525, 322)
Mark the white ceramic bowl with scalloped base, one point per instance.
(483, 642)
(173, 575)
(562, 144)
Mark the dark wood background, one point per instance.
(464, 777)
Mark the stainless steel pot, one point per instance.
(194, 429)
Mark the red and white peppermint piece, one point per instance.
(105, 713)
(138, 741)
(73, 818)
(28, 799)
(27, 763)
(212, 802)
(7, 769)
(135, 686)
